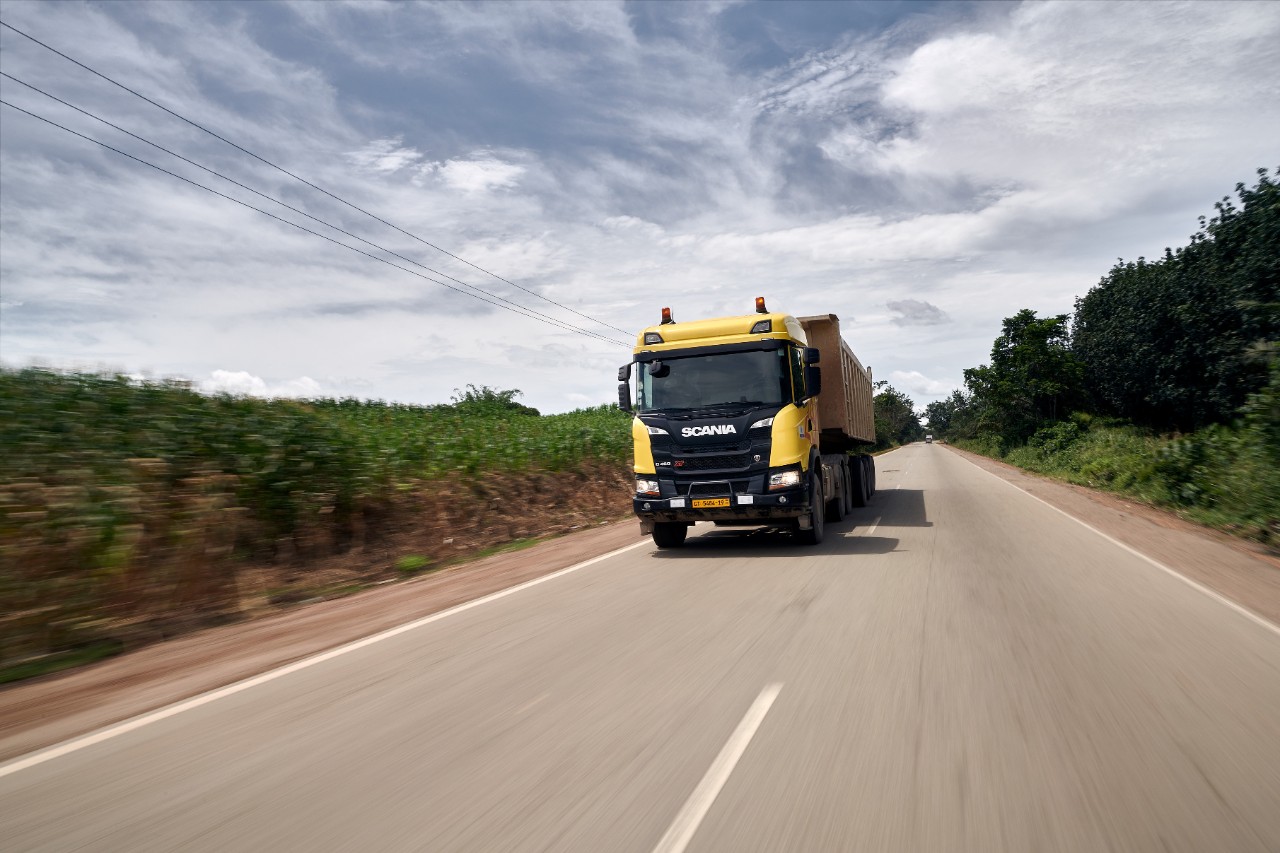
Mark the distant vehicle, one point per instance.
(928, 439)
(734, 424)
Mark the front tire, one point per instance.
(817, 512)
(669, 534)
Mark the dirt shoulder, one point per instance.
(45, 711)
(50, 710)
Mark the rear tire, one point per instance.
(836, 510)
(669, 534)
(858, 492)
(850, 478)
(870, 462)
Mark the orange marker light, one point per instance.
(760, 309)
(666, 316)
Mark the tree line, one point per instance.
(1173, 345)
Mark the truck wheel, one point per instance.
(813, 535)
(870, 462)
(849, 480)
(836, 506)
(859, 490)
(669, 534)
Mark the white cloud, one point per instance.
(480, 173)
(916, 382)
(245, 383)
(384, 156)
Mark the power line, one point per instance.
(304, 180)
(520, 311)
(289, 206)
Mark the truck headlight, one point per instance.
(646, 487)
(767, 422)
(788, 479)
(653, 430)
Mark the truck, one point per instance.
(734, 423)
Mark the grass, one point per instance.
(514, 545)
(412, 564)
(1222, 476)
(58, 661)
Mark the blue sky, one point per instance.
(923, 170)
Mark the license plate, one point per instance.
(709, 502)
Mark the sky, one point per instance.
(922, 170)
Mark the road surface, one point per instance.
(959, 666)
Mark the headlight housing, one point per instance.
(646, 487)
(785, 479)
(767, 422)
(653, 430)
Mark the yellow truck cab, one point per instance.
(728, 426)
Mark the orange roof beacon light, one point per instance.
(666, 316)
(760, 309)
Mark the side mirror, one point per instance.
(624, 397)
(813, 379)
(812, 355)
(624, 372)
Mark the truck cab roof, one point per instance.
(720, 330)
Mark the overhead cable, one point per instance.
(520, 311)
(289, 206)
(304, 180)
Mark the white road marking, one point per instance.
(1243, 611)
(695, 808)
(109, 732)
(880, 518)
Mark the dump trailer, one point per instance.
(761, 420)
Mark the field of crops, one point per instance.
(123, 500)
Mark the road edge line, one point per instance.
(1194, 584)
(75, 744)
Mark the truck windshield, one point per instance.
(760, 378)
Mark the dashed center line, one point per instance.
(695, 808)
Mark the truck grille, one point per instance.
(715, 463)
(735, 447)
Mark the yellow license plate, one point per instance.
(708, 502)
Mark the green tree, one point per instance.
(1167, 343)
(954, 417)
(486, 401)
(896, 419)
(1034, 377)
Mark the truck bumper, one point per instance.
(741, 508)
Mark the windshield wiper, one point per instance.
(741, 405)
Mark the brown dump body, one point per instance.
(846, 409)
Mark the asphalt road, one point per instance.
(957, 667)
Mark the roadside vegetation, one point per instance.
(133, 510)
(1164, 385)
